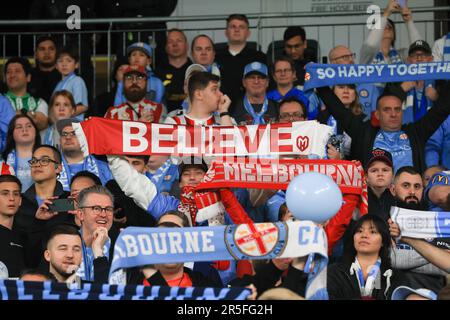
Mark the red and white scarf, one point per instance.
(104, 136)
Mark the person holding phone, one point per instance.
(379, 46)
(34, 216)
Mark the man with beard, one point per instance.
(408, 193)
(137, 107)
(73, 159)
(44, 77)
(63, 252)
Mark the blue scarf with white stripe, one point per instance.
(446, 53)
(143, 246)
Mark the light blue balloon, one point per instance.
(313, 196)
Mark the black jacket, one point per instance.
(11, 251)
(267, 275)
(380, 206)
(341, 285)
(34, 229)
(134, 276)
(232, 69)
(363, 133)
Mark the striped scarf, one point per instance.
(446, 53)
(394, 57)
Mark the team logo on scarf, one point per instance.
(247, 241)
(302, 143)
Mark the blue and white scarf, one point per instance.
(158, 177)
(446, 53)
(86, 269)
(143, 246)
(258, 118)
(422, 224)
(320, 75)
(11, 160)
(89, 164)
(47, 290)
(416, 105)
(373, 277)
(51, 136)
(394, 57)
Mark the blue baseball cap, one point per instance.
(402, 292)
(142, 46)
(256, 67)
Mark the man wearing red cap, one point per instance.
(137, 107)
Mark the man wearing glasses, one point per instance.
(33, 216)
(255, 107)
(285, 75)
(136, 107)
(73, 159)
(96, 211)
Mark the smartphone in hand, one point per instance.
(61, 205)
(402, 3)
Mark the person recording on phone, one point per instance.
(33, 216)
(379, 46)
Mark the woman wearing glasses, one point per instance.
(62, 106)
(21, 138)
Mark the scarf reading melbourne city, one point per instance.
(276, 174)
(422, 224)
(31, 290)
(320, 75)
(104, 136)
(143, 246)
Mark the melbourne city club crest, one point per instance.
(247, 241)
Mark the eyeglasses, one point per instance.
(100, 209)
(138, 77)
(346, 57)
(42, 161)
(67, 134)
(293, 115)
(280, 71)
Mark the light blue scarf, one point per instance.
(258, 118)
(447, 48)
(89, 164)
(394, 57)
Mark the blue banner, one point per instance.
(143, 246)
(321, 75)
(30, 290)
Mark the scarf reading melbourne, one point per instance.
(446, 53)
(31, 290)
(139, 138)
(276, 174)
(320, 75)
(142, 246)
(422, 224)
(89, 164)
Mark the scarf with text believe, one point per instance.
(139, 138)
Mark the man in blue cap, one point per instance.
(255, 107)
(140, 54)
